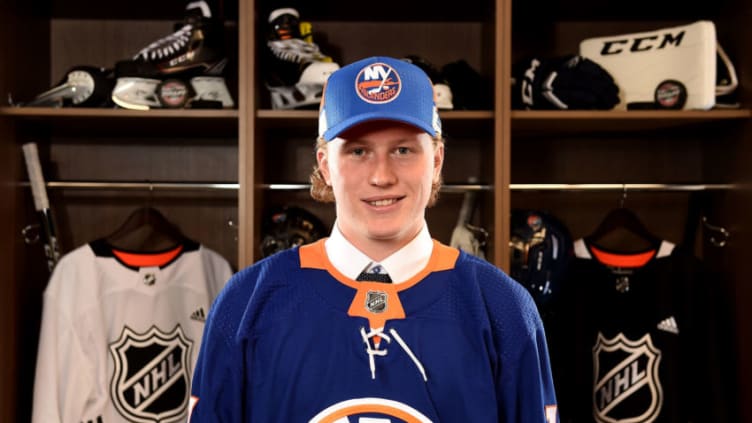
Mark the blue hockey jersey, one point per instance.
(291, 339)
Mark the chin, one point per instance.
(383, 234)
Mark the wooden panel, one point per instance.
(24, 43)
(86, 215)
(247, 213)
(10, 263)
(349, 41)
(502, 134)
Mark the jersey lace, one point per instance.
(373, 349)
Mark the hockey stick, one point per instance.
(42, 204)
(464, 235)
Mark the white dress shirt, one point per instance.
(401, 265)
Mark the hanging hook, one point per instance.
(150, 194)
(233, 226)
(30, 233)
(718, 229)
(623, 198)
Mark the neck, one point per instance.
(378, 249)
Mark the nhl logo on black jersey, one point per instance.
(376, 301)
(626, 380)
(151, 383)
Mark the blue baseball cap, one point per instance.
(378, 88)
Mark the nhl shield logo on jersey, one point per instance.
(150, 382)
(627, 386)
(378, 83)
(376, 410)
(376, 301)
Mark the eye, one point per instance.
(403, 150)
(358, 151)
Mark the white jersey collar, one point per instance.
(400, 265)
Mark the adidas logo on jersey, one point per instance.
(199, 315)
(669, 325)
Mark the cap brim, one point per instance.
(346, 124)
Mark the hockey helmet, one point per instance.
(441, 89)
(288, 226)
(540, 248)
(470, 90)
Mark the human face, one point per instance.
(381, 174)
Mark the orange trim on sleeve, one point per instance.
(623, 260)
(147, 259)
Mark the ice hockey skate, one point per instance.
(183, 69)
(295, 69)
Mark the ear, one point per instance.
(438, 161)
(322, 159)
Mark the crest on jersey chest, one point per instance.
(627, 386)
(376, 301)
(150, 383)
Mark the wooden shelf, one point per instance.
(202, 122)
(459, 122)
(291, 115)
(538, 122)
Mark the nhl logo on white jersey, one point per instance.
(627, 387)
(151, 383)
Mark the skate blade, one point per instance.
(136, 93)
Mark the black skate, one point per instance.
(295, 69)
(180, 70)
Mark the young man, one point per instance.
(378, 322)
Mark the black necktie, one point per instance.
(374, 277)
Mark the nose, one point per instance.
(382, 172)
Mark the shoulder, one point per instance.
(213, 259)
(74, 272)
(509, 306)
(243, 283)
(247, 290)
(491, 280)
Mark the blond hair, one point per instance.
(321, 191)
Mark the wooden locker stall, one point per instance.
(216, 172)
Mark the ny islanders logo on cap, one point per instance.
(378, 83)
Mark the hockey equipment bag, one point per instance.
(669, 68)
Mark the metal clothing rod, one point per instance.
(620, 187)
(445, 188)
(458, 188)
(144, 186)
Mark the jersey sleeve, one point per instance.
(64, 376)
(525, 379)
(218, 391)
(533, 392)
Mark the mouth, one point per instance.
(382, 202)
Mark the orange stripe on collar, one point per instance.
(377, 302)
(623, 260)
(313, 256)
(147, 259)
